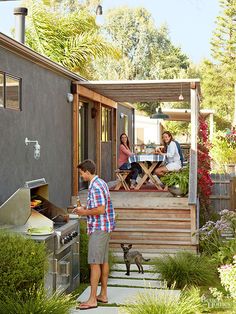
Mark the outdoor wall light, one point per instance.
(181, 97)
(70, 97)
(122, 115)
(99, 10)
(159, 115)
(93, 113)
(36, 147)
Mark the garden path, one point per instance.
(123, 289)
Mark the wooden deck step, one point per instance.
(155, 219)
(153, 242)
(134, 230)
(152, 222)
(152, 213)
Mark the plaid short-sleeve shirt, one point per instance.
(98, 195)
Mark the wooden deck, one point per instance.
(154, 222)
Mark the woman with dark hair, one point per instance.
(171, 152)
(123, 163)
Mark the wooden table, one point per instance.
(142, 159)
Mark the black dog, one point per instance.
(133, 257)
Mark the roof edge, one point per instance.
(29, 54)
(196, 80)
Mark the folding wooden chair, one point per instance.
(121, 176)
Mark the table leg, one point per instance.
(145, 176)
(148, 174)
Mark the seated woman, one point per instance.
(171, 152)
(124, 154)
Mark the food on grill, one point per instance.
(40, 230)
(35, 203)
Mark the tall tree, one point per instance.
(147, 51)
(219, 77)
(69, 37)
(223, 44)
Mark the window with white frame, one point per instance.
(10, 91)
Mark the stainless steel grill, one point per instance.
(21, 213)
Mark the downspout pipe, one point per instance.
(20, 14)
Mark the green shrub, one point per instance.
(84, 267)
(152, 302)
(22, 264)
(186, 269)
(84, 238)
(37, 302)
(226, 252)
(223, 150)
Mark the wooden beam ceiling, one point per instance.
(144, 91)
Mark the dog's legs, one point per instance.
(137, 263)
(141, 266)
(127, 268)
(138, 266)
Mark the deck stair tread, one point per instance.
(153, 219)
(151, 230)
(151, 242)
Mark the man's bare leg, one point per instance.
(102, 297)
(94, 280)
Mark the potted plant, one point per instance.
(177, 182)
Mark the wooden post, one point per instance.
(233, 193)
(193, 155)
(193, 224)
(75, 143)
(114, 142)
(98, 138)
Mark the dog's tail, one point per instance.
(146, 259)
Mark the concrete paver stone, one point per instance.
(122, 295)
(133, 267)
(121, 274)
(136, 283)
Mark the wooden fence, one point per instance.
(223, 192)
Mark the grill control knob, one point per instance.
(66, 239)
(74, 234)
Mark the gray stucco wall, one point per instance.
(46, 116)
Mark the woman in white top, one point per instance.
(172, 154)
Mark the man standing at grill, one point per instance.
(100, 223)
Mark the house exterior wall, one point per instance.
(146, 130)
(46, 116)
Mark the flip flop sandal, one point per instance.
(101, 301)
(86, 307)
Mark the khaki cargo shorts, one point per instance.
(98, 247)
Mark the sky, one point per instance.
(190, 22)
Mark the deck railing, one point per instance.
(192, 194)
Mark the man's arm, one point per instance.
(81, 211)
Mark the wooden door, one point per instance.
(106, 144)
(83, 136)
